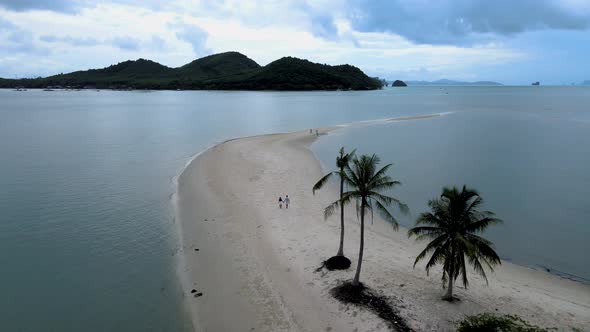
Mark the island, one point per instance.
(452, 82)
(536, 83)
(399, 83)
(223, 71)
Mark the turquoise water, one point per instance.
(87, 232)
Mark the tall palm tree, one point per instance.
(342, 161)
(454, 225)
(366, 182)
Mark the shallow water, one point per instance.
(87, 233)
(528, 156)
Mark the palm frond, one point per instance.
(386, 215)
(438, 256)
(478, 268)
(422, 232)
(385, 183)
(321, 182)
(380, 173)
(430, 247)
(482, 224)
(427, 218)
(330, 209)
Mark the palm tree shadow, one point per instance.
(334, 263)
(366, 297)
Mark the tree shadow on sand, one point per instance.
(367, 298)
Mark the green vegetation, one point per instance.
(497, 323)
(224, 71)
(366, 182)
(342, 161)
(453, 226)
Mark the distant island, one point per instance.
(536, 83)
(223, 71)
(399, 83)
(451, 82)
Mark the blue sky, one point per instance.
(514, 42)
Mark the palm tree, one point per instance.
(342, 161)
(366, 182)
(454, 225)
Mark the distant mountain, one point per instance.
(290, 73)
(399, 83)
(586, 82)
(451, 82)
(224, 71)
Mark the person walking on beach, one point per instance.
(287, 201)
(317, 133)
(280, 202)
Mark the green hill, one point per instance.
(224, 71)
(217, 65)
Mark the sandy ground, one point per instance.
(255, 264)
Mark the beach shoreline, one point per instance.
(253, 264)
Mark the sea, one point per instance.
(88, 236)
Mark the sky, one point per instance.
(513, 42)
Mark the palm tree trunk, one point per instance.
(449, 295)
(355, 281)
(341, 249)
(451, 275)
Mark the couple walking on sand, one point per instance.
(286, 201)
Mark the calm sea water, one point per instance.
(526, 150)
(87, 233)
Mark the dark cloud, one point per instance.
(323, 26)
(54, 5)
(122, 42)
(194, 35)
(74, 6)
(75, 41)
(462, 21)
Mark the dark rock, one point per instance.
(337, 263)
(399, 83)
(198, 294)
(196, 249)
(193, 291)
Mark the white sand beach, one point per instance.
(255, 263)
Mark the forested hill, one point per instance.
(224, 71)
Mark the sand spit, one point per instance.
(252, 265)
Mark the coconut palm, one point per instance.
(366, 183)
(453, 226)
(342, 161)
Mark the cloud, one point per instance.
(464, 21)
(54, 5)
(194, 35)
(74, 41)
(127, 43)
(323, 26)
(17, 40)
